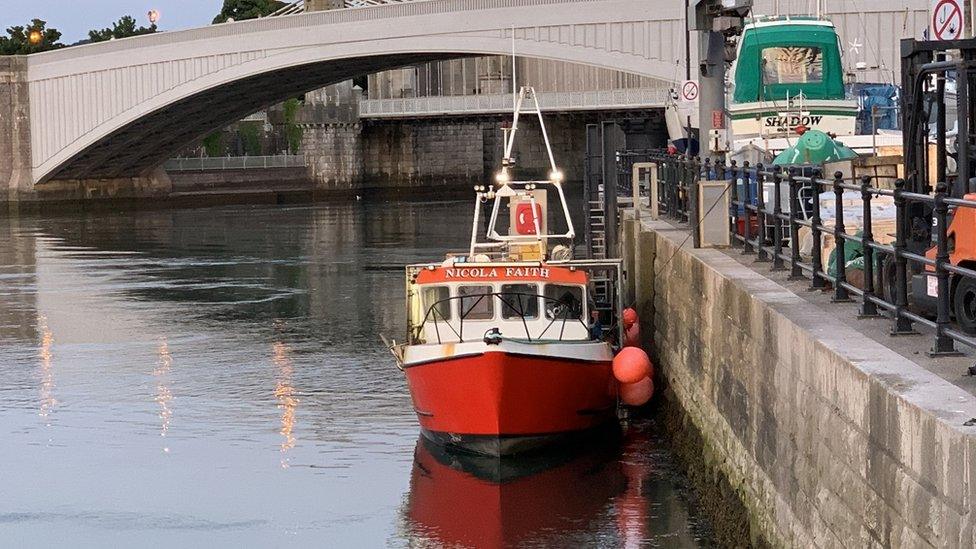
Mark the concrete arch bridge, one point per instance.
(118, 109)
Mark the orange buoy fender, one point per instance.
(637, 394)
(629, 317)
(632, 335)
(631, 365)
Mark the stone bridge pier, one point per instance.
(17, 184)
(15, 153)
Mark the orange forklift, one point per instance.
(938, 88)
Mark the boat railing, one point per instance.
(515, 305)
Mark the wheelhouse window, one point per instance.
(436, 301)
(564, 302)
(520, 301)
(476, 302)
(792, 65)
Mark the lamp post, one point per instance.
(35, 37)
(153, 16)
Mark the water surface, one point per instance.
(214, 377)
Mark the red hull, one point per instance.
(495, 396)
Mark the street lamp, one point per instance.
(35, 37)
(153, 16)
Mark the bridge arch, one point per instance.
(121, 108)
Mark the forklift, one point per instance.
(938, 82)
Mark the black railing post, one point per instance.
(869, 309)
(943, 343)
(671, 184)
(902, 324)
(694, 218)
(816, 224)
(795, 215)
(733, 177)
(746, 176)
(840, 292)
(761, 213)
(777, 220)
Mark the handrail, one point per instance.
(521, 314)
(892, 264)
(236, 162)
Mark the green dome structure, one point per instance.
(814, 147)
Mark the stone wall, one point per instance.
(241, 180)
(15, 149)
(335, 155)
(423, 153)
(828, 438)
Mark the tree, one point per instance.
(239, 10)
(33, 38)
(123, 28)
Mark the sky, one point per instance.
(74, 18)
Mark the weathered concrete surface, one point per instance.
(15, 138)
(267, 179)
(829, 438)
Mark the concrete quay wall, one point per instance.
(828, 438)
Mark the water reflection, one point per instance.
(285, 393)
(594, 496)
(163, 393)
(46, 392)
(460, 500)
(244, 341)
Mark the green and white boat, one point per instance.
(788, 73)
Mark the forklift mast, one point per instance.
(926, 68)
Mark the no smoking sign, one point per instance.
(946, 20)
(689, 90)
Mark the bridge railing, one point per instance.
(235, 162)
(631, 98)
(861, 239)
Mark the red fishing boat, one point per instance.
(506, 350)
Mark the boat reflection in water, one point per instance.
(603, 496)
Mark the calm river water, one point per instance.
(214, 377)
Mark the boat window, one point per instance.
(437, 297)
(792, 65)
(476, 302)
(520, 301)
(564, 301)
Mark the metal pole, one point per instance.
(943, 343)
(711, 96)
(816, 224)
(777, 220)
(761, 219)
(902, 325)
(840, 292)
(795, 271)
(746, 177)
(869, 309)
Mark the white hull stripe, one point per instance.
(588, 351)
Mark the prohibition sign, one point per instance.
(689, 90)
(947, 20)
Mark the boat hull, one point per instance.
(503, 401)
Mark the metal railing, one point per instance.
(235, 162)
(769, 209)
(631, 98)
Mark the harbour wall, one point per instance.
(826, 437)
(403, 156)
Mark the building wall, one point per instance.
(493, 74)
